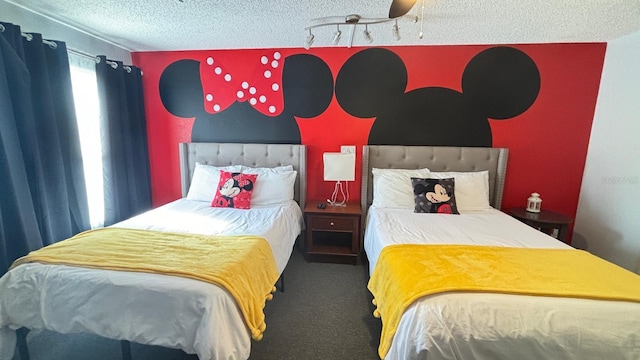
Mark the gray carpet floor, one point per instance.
(324, 313)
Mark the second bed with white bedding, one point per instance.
(489, 227)
(497, 326)
(465, 325)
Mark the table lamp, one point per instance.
(339, 167)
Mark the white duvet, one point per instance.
(497, 326)
(195, 316)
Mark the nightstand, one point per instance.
(332, 234)
(546, 221)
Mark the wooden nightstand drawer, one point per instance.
(331, 223)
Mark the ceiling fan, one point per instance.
(400, 7)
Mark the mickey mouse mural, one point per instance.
(498, 83)
(257, 104)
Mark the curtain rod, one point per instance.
(97, 59)
(54, 45)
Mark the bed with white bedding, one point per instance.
(195, 316)
(473, 325)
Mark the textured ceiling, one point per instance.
(155, 25)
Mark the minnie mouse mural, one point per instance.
(250, 101)
(260, 101)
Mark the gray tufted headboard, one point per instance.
(436, 158)
(253, 155)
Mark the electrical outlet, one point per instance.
(348, 149)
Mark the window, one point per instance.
(85, 96)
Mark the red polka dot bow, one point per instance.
(242, 180)
(261, 86)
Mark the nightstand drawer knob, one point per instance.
(332, 223)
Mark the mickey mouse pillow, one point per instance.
(434, 196)
(234, 190)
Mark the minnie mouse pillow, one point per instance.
(234, 190)
(434, 196)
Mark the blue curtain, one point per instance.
(127, 185)
(42, 190)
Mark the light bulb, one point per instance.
(336, 37)
(309, 41)
(396, 32)
(367, 36)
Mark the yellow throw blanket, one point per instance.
(243, 265)
(405, 273)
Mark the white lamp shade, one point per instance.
(339, 167)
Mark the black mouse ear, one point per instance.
(501, 82)
(419, 189)
(307, 85)
(181, 88)
(370, 79)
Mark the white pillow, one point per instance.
(273, 186)
(205, 180)
(392, 187)
(471, 188)
(260, 170)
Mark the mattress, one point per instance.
(497, 326)
(175, 312)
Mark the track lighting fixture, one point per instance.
(352, 21)
(367, 35)
(421, 33)
(396, 32)
(309, 41)
(336, 36)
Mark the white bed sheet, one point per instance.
(497, 326)
(195, 316)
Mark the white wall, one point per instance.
(50, 29)
(608, 217)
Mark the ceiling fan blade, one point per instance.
(400, 7)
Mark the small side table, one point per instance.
(546, 221)
(333, 233)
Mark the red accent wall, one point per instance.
(547, 143)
